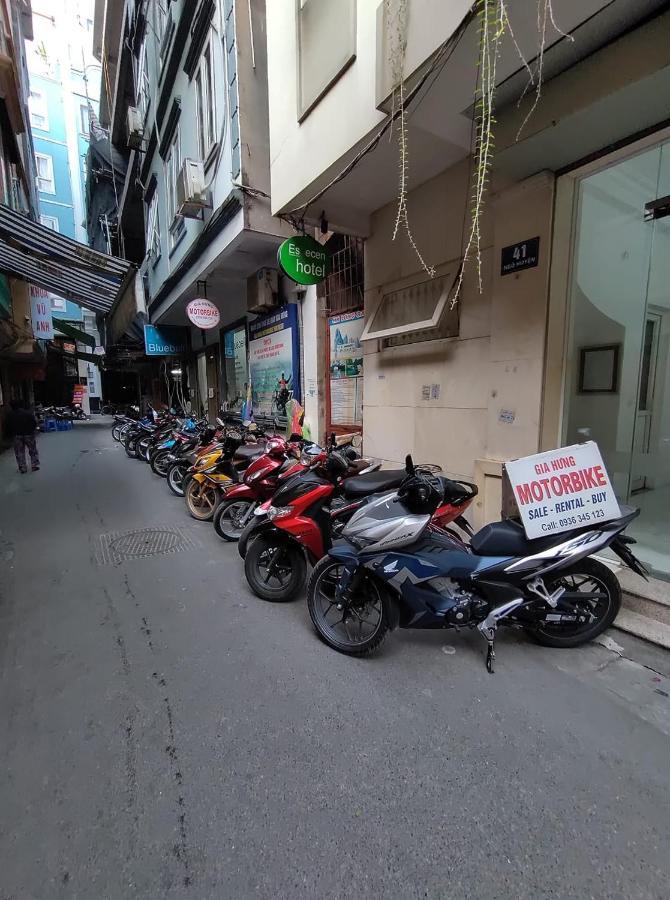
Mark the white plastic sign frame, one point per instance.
(563, 489)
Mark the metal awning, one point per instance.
(58, 264)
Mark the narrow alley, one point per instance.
(167, 734)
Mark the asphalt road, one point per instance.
(164, 734)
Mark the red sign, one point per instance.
(78, 394)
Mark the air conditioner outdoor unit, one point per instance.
(192, 195)
(262, 291)
(134, 128)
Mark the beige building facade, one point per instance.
(572, 347)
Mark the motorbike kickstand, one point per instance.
(490, 656)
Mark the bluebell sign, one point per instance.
(165, 340)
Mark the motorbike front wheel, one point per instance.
(229, 518)
(130, 446)
(275, 570)
(360, 628)
(202, 500)
(248, 535)
(589, 605)
(175, 478)
(159, 461)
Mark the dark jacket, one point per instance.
(19, 422)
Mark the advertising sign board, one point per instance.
(40, 313)
(274, 361)
(163, 340)
(304, 260)
(562, 489)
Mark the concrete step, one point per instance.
(654, 608)
(642, 626)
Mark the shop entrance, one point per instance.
(618, 377)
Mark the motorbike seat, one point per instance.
(507, 538)
(248, 451)
(373, 483)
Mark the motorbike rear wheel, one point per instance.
(175, 478)
(362, 627)
(593, 592)
(116, 432)
(228, 519)
(202, 500)
(275, 570)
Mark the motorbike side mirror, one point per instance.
(409, 464)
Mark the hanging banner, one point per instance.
(274, 361)
(78, 394)
(346, 368)
(40, 313)
(562, 490)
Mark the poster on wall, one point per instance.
(563, 489)
(274, 361)
(346, 368)
(236, 366)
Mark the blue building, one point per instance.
(64, 86)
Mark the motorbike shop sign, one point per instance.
(304, 260)
(40, 313)
(203, 313)
(562, 489)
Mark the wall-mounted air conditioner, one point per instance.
(192, 195)
(262, 291)
(134, 128)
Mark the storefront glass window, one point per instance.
(618, 386)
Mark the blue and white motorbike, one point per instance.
(391, 571)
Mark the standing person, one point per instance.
(21, 425)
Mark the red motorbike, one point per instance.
(300, 523)
(281, 460)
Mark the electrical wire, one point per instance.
(442, 57)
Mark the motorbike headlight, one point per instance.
(278, 512)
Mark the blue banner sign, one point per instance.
(274, 361)
(165, 340)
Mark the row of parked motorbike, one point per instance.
(384, 548)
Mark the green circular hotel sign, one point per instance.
(304, 260)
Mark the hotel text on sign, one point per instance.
(562, 490)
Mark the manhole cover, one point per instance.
(142, 543)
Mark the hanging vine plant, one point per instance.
(396, 36)
(494, 26)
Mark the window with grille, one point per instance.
(50, 222)
(142, 81)
(45, 173)
(206, 104)
(153, 230)
(39, 110)
(343, 289)
(415, 313)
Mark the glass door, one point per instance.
(618, 386)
